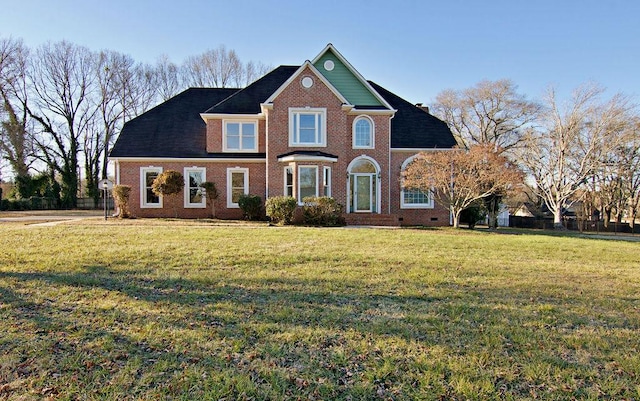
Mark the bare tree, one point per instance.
(572, 143)
(253, 71)
(168, 78)
(220, 68)
(631, 169)
(492, 112)
(458, 179)
(15, 141)
(62, 77)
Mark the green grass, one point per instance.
(164, 311)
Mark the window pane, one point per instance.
(195, 178)
(363, 133)
(236, 193)
(248, 129)
(248, 143)
(363, 166)
(195, 195)
(152, 197)
(151, 176)
(233, 129)
(237, 180)
(308, 182)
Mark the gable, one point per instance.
(342, 76)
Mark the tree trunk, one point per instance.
(607, 216)
(557, 219)
(456, 218)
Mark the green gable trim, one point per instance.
(346, 82)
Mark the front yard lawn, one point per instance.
(163, 311)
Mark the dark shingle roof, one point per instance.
(308, 153)
(247, 100)
(175, 128)
(172, 129)
(412, 127)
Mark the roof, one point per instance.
(172, 129)
(412, 127)
(248, 100)
(175, 128)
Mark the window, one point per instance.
(326, 181)
(416, 199)
(362, 132)
(147, 198)
(413, 198)
(193, 196)
(237, 184)
(288, 181)
(307, 127)
(240, 136)
(307, 182)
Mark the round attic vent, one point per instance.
(328, 65)
(307, 82)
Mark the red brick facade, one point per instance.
(266, 176)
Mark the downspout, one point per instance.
(389, 168)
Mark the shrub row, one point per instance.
(316, 211)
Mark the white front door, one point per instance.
(363, 193)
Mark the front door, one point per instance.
(362, 196)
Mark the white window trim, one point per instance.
(404, 205)
(322, 113)
(230, 171)
(187, 195)
(299, 187)
(326, 180)
(285, 192)
(353, 133)
(143, 188)
(240, 150)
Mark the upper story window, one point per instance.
(240, 136)
(307, 127)
(363, 132)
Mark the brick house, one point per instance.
(315, 129)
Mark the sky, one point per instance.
(416, 49)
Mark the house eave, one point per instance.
(229, 116)
(307, 158)
(188, 159)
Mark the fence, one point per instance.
(573, 224)
(42, 203)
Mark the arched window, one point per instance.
(413, 198)
(363, 132)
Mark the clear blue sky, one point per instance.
(414, 48)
